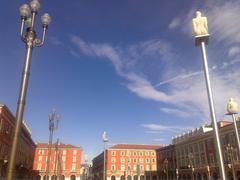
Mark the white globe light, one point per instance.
(232, 106)
(24, 11)
(46, 19)
(35, 5)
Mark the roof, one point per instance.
(135, 146)
(61, 145)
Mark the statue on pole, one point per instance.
(200, 28)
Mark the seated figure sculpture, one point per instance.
(200, 27)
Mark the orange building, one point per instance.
(127, 161)
(65, 161)
(25, 148)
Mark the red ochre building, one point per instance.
(127, 161)
(25, 148)
(65, 161)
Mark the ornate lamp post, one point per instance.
(200, 29)
(28, 36)
(232, 109)
(53, 124)
(191, 159)
(229, 149)
(165, 162)
(105, 140)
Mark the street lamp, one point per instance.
(105, 140)
(53, 118)
(191, 159)
(177, 173)
(165, 162)
(200, 29)
(28, 36)
(232, 109)
(229, 149)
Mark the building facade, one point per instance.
(166, 163)
(196, 154)
(127, 161)
(25, 148)
(65, 161)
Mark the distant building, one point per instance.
(127, 161)
(196, 154)
(166, 162)
(65, 161)
(25, 149)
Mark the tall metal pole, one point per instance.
(53, 123)
(200, 29)
(30, 41)
(212, 111)
(104, 139)
(56, 160)
(237, 133)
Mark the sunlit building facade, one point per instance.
(65, 161)
(127, 161)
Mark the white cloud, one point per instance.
(176, 112)
(160, 127)
(174, 23)
(233, 51)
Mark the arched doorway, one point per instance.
(215, 176)
(141, 177)
(38, 177)
(205, 176)
(62, 177)
(45, 177)
(129, 177)
(113, 178)
(135, 177)
(72, 177)
(199, 176)
(122, 177)
(154, 177)
(54, 177)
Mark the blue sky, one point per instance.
(126, 67)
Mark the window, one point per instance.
(75, 152)
(140, 153)
(64, 152)
(122, 160)
(113, 168)
(134, 153)
(74, 159)
(129, 160)
(129, 168)
(39, 166)
(122, 168)
(128, 153)
(153, 153)
(73, 166)
(141, 168)
(122, 153)
(113, 159)
(134, 167)
(153, 160)
(147, 153)
(141, 160)
(41, 152)
(63, 158)
(147, 167)
(147, 160)
(40, 158)
(113, 153)
(154, 168)
(135, 160)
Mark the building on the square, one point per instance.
(127, 161)
(166, 163)
(196, 153)
(25, 148)
(65, 161)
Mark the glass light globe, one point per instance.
(24, 11)
(232, 106)
(46, 19)
(35, 5)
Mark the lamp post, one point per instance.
(232, 109)
(53, 124)
(200, 29)
(191, 159)
(28, 36)
(229, 149)
(177, 173)
(208, 172)
(165, 162)
(105, 140)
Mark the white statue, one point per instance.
(200, 27)
(232, 106)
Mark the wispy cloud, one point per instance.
(55, 41)
(176, 112)
(160, 127)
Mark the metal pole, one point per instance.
(104, 163)
(236, 132)
(20, 105)
(56, 160)
(212, 111)
(49, 152)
